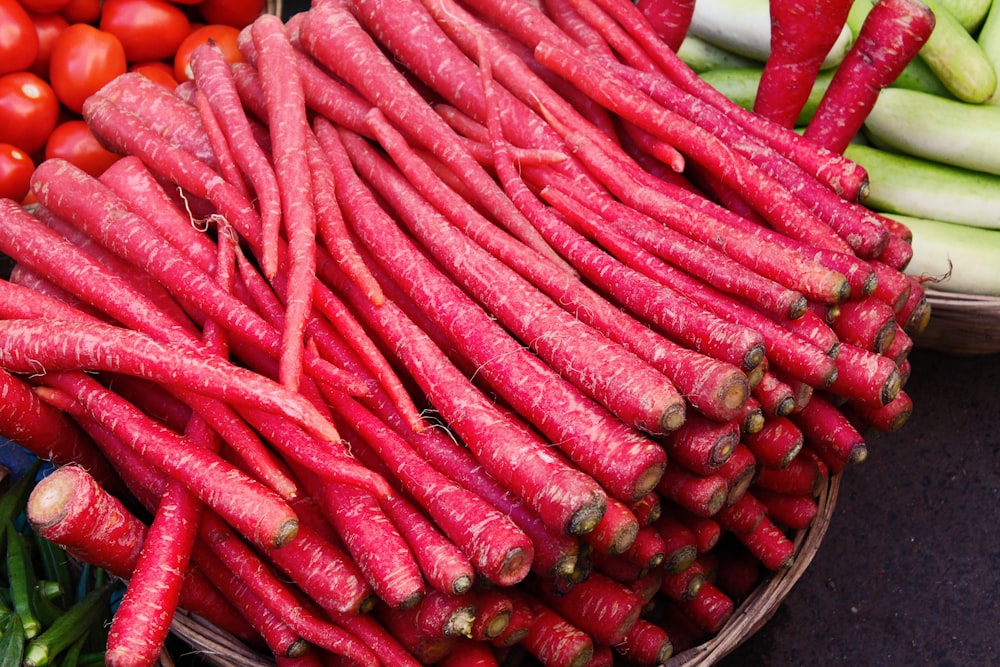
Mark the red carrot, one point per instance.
(142, 620)
(670, 18)
(706, 530)
(776, 397)
(646, 644)
(701, 495)
(681, 543)
(495, 545)
(702, 445)
(649, 550)
(168, 114)
(470, 653)
(213, 75)
(647, 509)
(710, 610)
(865, 376)
(647, 387)
(104, 347)
(801, 36)
(603, 608)
(47, 433)
(891, 35)
(324, 572)
(329, 32)
(241, 559)
(616, 531)
(70, 508)
(289, 131)
(684, 585)
(555, 641)
(376, 637)
(436, 615)
(717, 392)
(371, 538)
(792, 512)
(259, 513)
(886, 418)
(769, 544)
(867, 323)
(776, 444)
(804, 474)
(739, 472)
(741, 516)
(427, 648)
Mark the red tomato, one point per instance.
(48, 27)
(83, 60)
(29, 110)
(237, 13)
(18, 39)
(156, 71)
(224, 36)
(44, 6)
(82, 11)
(16, 168)
(148, 29)
(74, 142)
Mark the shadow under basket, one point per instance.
(965, 324)
(215, 647)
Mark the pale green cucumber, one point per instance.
(702, 56)
(989, 41)
(740, 86)
(912, 186)
(744, 27)
(955, 258)
(938, 129)
(970, 13)
(954, 55)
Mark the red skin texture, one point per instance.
(890, 37)
(670, 18)
(241, 559)
(830, 434)
(802, 33)
(776, 444)
(328, 33)
(496, 547)
(603, 608)
(646, 644)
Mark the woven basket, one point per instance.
(216, 647)
(762, 604)
(962, 323)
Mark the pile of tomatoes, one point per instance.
(55, 53)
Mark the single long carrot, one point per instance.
(891, 35)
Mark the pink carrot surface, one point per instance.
(670, 18)
(802, 34)
(892, 34)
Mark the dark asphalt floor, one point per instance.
(909, 570)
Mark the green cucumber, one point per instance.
(934, 128)
(702, 56)
(955, 258)
(958, 60)
(912, 186)
(970, 13)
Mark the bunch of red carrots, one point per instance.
(448, 332)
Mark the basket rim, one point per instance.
(754, 612)
(222, 649)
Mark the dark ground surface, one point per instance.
(909, 570)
